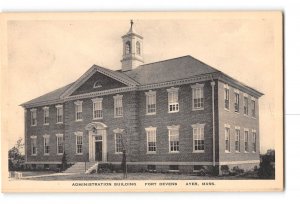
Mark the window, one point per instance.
(46, 144)
(253, 107)
(254, 140)
(127, 48)
(246, 140)
(33, 145)
(245, 104)
(60, 144)
(119, 143)
(46, 115)
(118, 103)
(236, 101)
(151, 168)
(237, 139)
(227, 138)
(97, 108)
(173, 100)
(151, 139)
(97, 84)
(59, 113)
(138, 48)
(78, 110)
(226, 96)
(33, 117)
(150, 102)
(173, 138)
(198, 99)
(174, 168)
(198, 137)
(79, 142)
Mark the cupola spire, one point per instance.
(132, 49)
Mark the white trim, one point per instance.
(33, 137)
(236, 91)
(148, 130)
(78, 102)
(201, 88)
(118, 130)
(173, 127)
(78, 134)
(59, 106)
(97, 86)
(150, 94)
(46, 137)
(91, 72)
(116, 98)
(59, 136)
(226, 125)
(97, 100)
(196, 126)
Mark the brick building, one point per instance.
(174, 115)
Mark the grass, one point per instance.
(133, 176)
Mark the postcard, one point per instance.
(142, 101)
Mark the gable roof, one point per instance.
(52, 96)
(170, 70)
(153, 73)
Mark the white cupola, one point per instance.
(132, 49)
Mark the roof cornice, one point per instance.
(89, 73)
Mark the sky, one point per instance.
(46, 53)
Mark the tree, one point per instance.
(16, 157)
(267, 165)
(64, 162)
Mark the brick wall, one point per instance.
(39, 130)
(236, 119)
(185, 118)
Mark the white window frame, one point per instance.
(33, 117)
(227, 127)
(78, 110)
(46, 115)
(195, 88)
(173, 100)
(59, 137)
(246, 150)
(46, 145)
(237, 139)
(33, 138)
(150, 100)
(246, 108)
(226, 88)
(119, 131)
(237, 101)
(97, 84)
(170, 129)
(253, 108)
(100, 113)
(79, 135)
(254, 141)
(151, 132)
(59, 107)
(201, 137)
(118, 103)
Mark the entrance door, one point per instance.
(98, 151)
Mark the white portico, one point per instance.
(97, 132)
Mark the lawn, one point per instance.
(131, 176)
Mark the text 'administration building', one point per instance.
(173, 115)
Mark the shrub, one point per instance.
(236, 171)
(266, 168)
(106, 168)
(225, 170)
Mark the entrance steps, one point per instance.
(82, 167)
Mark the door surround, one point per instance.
(96, 129)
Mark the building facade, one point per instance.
(174, 115)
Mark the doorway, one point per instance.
(98, 150)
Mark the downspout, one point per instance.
(212, 83)
(25, 137)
